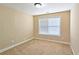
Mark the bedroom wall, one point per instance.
(15, 26)
(75, 28)
(65, 27)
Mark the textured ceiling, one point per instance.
(47, 8)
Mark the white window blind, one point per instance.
(49, 26)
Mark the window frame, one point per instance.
(50, 26)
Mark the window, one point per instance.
(49, 26)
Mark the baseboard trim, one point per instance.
(5, 49)
(72, 50)
(61, 42)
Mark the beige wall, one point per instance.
(14, 26)
(75, 28)
(65, 26)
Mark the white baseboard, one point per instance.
(5, 49)
(61, 42)
(73, 50)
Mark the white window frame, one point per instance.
(50, 26)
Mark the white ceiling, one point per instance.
(48, 8)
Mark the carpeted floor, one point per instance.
(40, 47)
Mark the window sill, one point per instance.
(48, 34)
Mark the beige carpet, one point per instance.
(40, 47)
